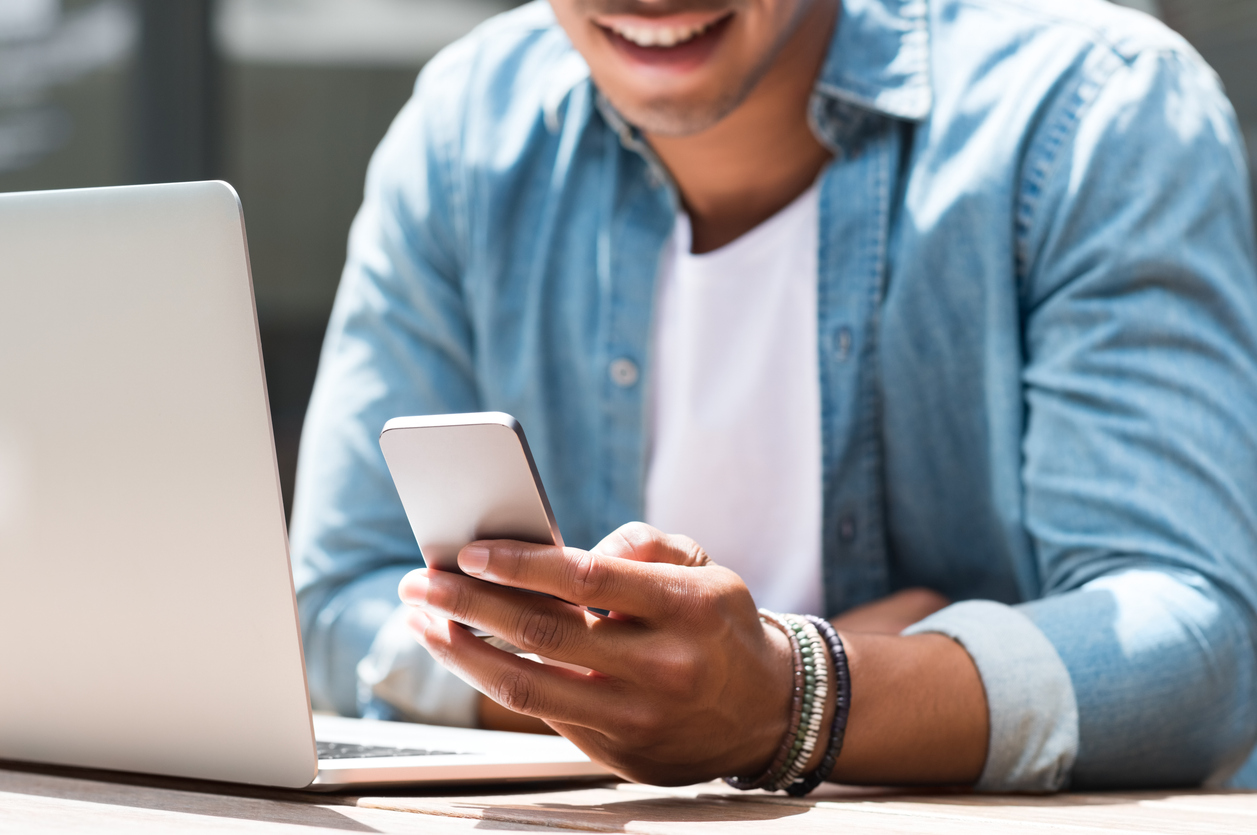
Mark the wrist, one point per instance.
(771, 728)
(820, 692)
(778, 729)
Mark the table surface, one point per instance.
(40, 799)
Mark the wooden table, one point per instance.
(64, 800)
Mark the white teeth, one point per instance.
(664, 36)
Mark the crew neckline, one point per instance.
(684, 231)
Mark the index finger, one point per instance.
(644, 590)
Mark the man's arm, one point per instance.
(1140, 454)
(889, 616)
(691, 684)
(1139, 301)
(399, 342)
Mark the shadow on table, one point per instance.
(256, 803)
(720, 806)
(617, 815)
(164, 794)
(589, 806)
(967, 797)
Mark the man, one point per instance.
(856, 299)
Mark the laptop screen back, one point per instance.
(147, 618)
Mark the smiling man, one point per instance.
(865, 307)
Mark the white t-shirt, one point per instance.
(735, 460)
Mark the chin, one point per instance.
(676, 115)
(671, 118)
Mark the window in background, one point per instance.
(308, 88)
(1152, 7)
(65, 77)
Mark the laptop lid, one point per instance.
(147, 615)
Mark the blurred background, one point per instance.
(286, 99)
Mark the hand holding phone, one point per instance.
(468, 477)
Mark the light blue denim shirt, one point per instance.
(1038, 360)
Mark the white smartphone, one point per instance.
(466, 477)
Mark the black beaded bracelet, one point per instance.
(838, 730)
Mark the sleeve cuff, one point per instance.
(399, 672)
(1033, 710)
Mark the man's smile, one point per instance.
(667, 31)
(676, 42)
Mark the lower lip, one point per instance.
(680, 58)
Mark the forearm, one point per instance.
(1139, 678)
(918, 712)
(693, 684)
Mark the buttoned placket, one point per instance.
(638, 217)
(855, 217)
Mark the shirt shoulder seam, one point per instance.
(1095, 33)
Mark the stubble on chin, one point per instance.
(679, 119)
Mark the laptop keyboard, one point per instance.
(350, 751)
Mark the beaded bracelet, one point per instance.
(806, 663)
(796, 711)
(822, 699)
(816, 694)
(800, 706)
(837, 731)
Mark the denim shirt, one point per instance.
(1038, 360)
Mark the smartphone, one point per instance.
(465, 477)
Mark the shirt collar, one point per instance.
(879, 58)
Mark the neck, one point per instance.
(754, 162)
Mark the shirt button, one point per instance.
(846, 529)
(842, 344)
(623, 372)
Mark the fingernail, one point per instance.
(414, 588)
(473, 559)
(418, 621)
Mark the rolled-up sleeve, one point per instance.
(1033, 711)
(1136, 665)
(399, 343)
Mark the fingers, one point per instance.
(582, 577)
(689, 684)
(534, 623)
(549, 693)
(643, 573)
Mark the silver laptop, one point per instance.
(147, 615)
